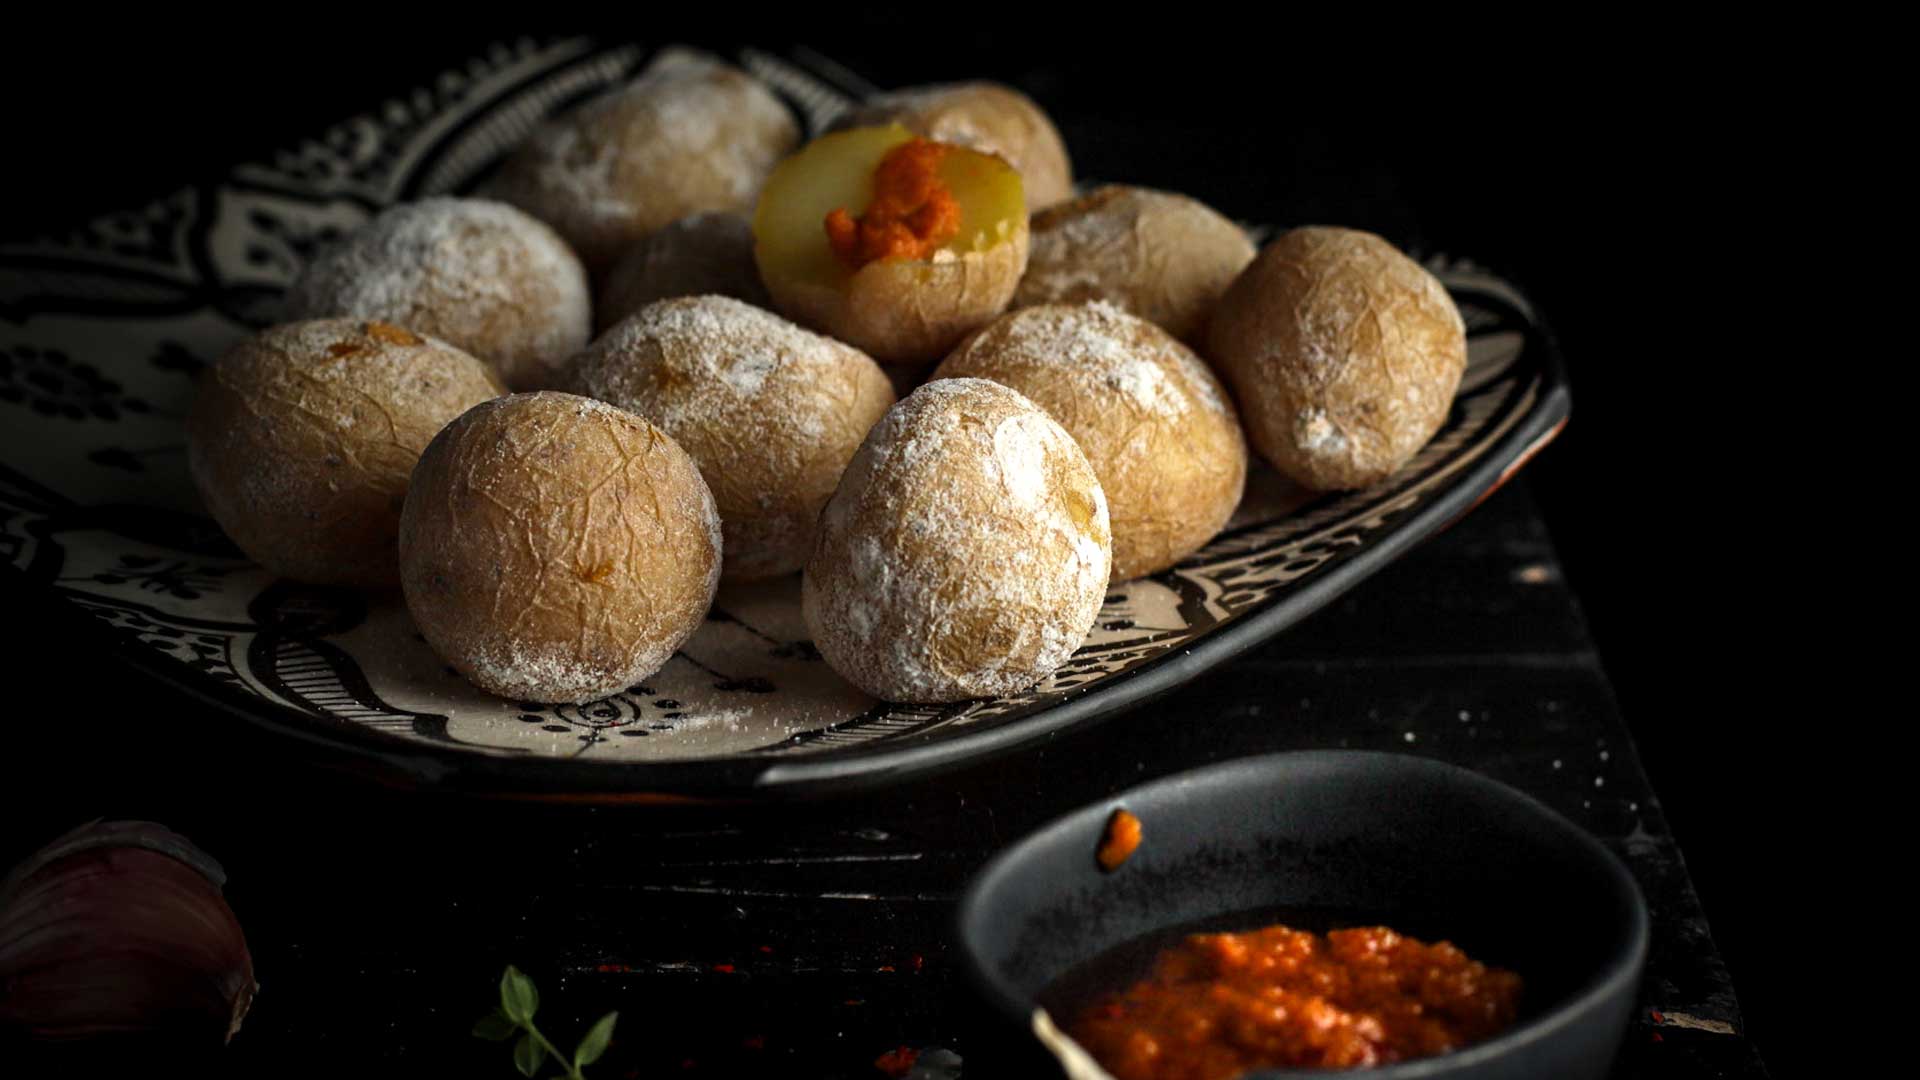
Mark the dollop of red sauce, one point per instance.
(1122, 838)
(1218, 1005)
(912, 212)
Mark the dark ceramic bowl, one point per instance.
(1320, 839)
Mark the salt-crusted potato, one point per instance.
(1161, 256)
(982, 116)
(302, 438)
(557, 549)
(770, 413)
(1155, 424)
(1344, 355)
(893, 244)
(479, 274)
(965, 553)
(698, 255)
(691, 134)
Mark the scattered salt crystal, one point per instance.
(932, 453)
(1019, 448)
(481, 274)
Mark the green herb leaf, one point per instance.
(596, 1041)
(495, 1027)
(518, 998)
(528, 1055)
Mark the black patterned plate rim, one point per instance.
(857, 768)
(1540, 396)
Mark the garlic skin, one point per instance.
(119, 928)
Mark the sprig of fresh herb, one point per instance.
(518, 1002)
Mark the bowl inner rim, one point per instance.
(1622, 965)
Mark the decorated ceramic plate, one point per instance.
(102, 332)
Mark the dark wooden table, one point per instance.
(808, 939)
(805, 940)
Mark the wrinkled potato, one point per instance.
(691, 134)
(557, 549)
(982, 116)
(1155, 424)
(475, 273)
(302, 438)
(1344, 355)
(770, 413)
(902, 309)
(1161, 256)
(965, 553)
(708, 254)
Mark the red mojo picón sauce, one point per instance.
(1218, 1005)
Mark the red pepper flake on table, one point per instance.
(897, 1062)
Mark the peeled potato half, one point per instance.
(985, 116)
(913, 304)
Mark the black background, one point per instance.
(1610, 172)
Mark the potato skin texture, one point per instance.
(302, 438)
(982, 116)
(902, 311)
(1164, 257)
(691, 134)
(1344, 354)
(1154, 422)
(557, 549)
(966, 552)
(476, 273)
(707, 254)
(770, 412)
